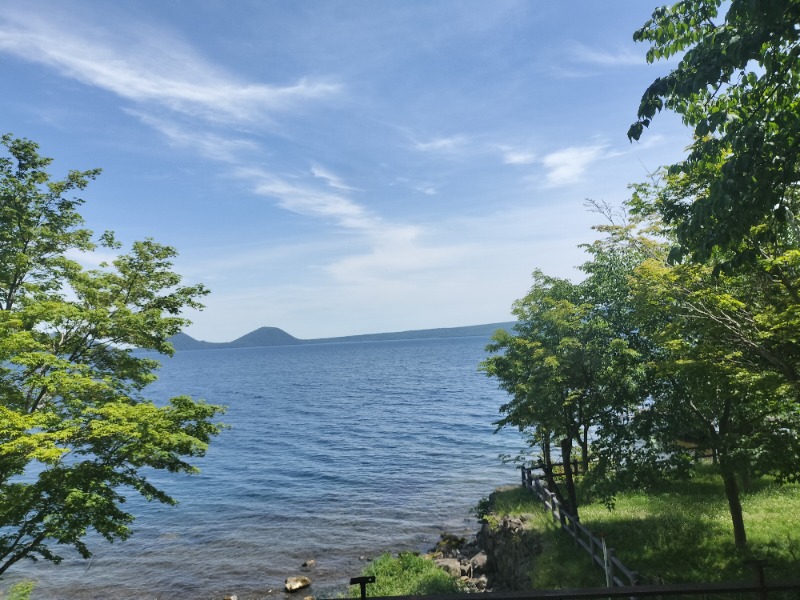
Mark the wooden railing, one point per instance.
(617, 574)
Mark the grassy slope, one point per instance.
(679, 532)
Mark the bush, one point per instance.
(408, 574)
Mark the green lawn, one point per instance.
(678, 532)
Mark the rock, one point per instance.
(451, 565)
(309, 598)
(309, 564)
(481, 582)
(297, 583)
(478, 562)
(231, 597)
(511, 549)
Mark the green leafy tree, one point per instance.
(737, 86)
(720, 361)
(76, 432)
(714, 390)
(571, 366)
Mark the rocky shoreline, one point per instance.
(498, 557)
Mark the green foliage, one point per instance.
(20, 591)
(661, 362)
(573, 364)
(75, 430)
(405, 575)
(737, 86)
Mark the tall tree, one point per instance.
(721, 366)
(737, 85)
(714, 389)
(571, 366)
(76, 431)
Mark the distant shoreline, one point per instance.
(273, 336)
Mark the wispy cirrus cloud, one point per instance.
(211, 145)
(449, 144)
(599, 57)
(306, 199)
(331, 179)
(149, 66)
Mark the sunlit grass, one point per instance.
(407, 575)
(677, 532)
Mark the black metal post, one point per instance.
(362, 581)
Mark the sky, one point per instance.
(339, 167)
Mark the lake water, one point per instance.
(335, 452)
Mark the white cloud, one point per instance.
(444, 144)
(306, 200)
(207, 144)
(513, 156)
(568, 165)
(332, 180)
(152, 66)
(396, 251)
(603, 58)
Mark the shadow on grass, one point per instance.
(675, 532)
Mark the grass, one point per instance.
(407, 574)
(677, 532)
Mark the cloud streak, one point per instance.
(604, 58)
(152, 67)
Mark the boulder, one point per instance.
(478, 562)
(451, 565)
(297, 583)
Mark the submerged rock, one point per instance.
(297, 583)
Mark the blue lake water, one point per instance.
(335, 452)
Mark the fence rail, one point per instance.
(617, 574)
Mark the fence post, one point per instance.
(608, 554)
(759, 565)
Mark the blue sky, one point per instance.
(341, 167)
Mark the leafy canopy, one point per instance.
(76, 431)
(737, 86)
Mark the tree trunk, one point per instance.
(585, 450)
(735, 506)
(566, 458)
(547, 467)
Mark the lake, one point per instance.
(335, 452)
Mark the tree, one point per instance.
(737, 86)
(721, 361)
(76, 431)
(715, 390)
(571, 367)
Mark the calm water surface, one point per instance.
(336, 452)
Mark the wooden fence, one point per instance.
(617, 574)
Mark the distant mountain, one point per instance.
(264, 336)
(272, 336)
